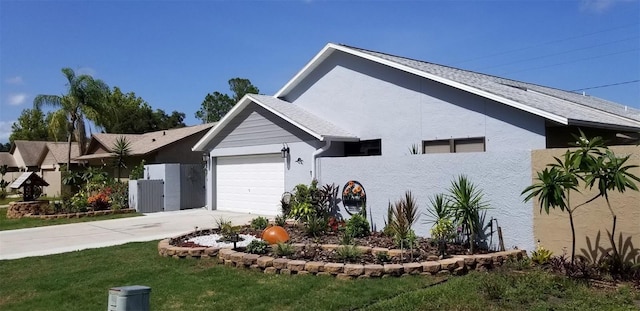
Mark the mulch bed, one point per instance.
(312, 251)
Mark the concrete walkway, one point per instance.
(72, 237)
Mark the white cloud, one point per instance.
(17, 99)
(599, 6)
(14, 80)
(5, 130)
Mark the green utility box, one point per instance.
(129, 298)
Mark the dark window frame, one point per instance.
(453, 143)
(363, 148)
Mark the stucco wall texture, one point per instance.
(554, 231)
(501, 176)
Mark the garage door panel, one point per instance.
(250, 183)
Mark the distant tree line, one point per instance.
(111, 110)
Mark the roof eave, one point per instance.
(339, 138)
(606, 126)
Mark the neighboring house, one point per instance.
(166, 146)
(43, 157)
(354, 114)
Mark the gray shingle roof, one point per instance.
(572, 106)
(31, 151)
(7, 159)
(142, 144)
(302, 118)
(60, 150)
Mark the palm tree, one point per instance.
(84, 96)
(121, 148)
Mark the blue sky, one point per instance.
(172, 53)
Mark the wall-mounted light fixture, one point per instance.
(205, 157)
(284, 152)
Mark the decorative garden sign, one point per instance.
(353, 197)
(30, 183)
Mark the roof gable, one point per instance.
(30, 151)
(307, 122)
(552, 104)
(7, 159)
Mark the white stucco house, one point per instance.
(354, 114)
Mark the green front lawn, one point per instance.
(21, 223)
(81, 280)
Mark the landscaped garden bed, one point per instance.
(42, 210)
(317, 240)
(322, 259)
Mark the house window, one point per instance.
(454, 145)
(371, 147)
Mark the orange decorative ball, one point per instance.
(275, 234)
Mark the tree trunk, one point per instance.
(613, 240)
(69, 150)
(573, 236)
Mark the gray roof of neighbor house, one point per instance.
(296, 115)
(7, 159)
(31, 151)
(60, 151)
(556, 105)
(141, 144)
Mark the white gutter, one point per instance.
(314, 167)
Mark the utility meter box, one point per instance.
(129, 298)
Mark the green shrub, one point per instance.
(283, 249)
(495, 287)
(382, 257)
(403, 215)
(281, 220)
(258, 247)
(315, 226)
(300, 204)
(310, 200)
(137, 172)
(119, 196)
(357, 226)
(259, 223)
(79, 202)
(541, 255)
(348, 252)
(226, 228)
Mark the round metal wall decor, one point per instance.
(354, 197)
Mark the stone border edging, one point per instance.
(456, 265)
(83, 214)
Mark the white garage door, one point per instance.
(251, 184)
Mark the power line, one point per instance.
(605, 85)
(545, 43)
(559, 53)
(573, 61)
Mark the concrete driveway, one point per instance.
(72, 237)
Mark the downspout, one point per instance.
(314, 167)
